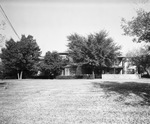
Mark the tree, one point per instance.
(95, 51)
(141, 59)
(51, 65)
(138, 27)
(21, 57)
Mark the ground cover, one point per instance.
(74, 101)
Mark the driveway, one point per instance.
(69, 102)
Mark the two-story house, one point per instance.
(123, 67)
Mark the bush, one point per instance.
(145, 76)
(65, 77)
(81, 76)
(41, 77)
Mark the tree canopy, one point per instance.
(51, 65)
(138, 27)
(95, 50)
(21, 57)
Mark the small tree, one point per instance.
(21, 57)
(52, 65)
(141, 59)
(95, 51)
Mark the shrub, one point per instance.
(81, 76)
(65, 77)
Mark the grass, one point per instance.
(126, 90)
(74, 102)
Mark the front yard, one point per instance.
(74, 102)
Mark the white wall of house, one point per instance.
(67, 71)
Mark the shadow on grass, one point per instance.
(126, 90)
(2, 84)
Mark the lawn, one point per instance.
(75, 102)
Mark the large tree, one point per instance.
(138, 26)
(51, 65)
(96, 50)
(21, 57)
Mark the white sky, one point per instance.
(51, 21)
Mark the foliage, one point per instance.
(141, 59)
(81, 76)
(138, 26)
(51, 65)
(95, 51)
(21, 57)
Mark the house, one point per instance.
(123, 67)
(69, 69)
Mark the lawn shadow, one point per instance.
(126, 90)
(4, 85)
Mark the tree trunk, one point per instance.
(21, 74)
(93, 74)
(18, 75)
(78, 70)
(100, 73)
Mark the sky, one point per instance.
(51, 21)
